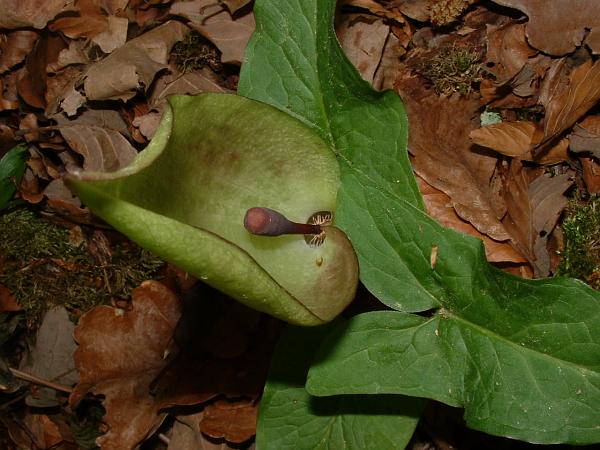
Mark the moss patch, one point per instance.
(42, 268)
(581, 255)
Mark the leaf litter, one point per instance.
(84, 85)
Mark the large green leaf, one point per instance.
(185, 197)
(295, 63)
(290, 418)
(522, 357)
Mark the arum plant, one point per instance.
(210, 194)
(261, 196)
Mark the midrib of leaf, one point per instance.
(447, 314)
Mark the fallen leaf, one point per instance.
(567, 94)
(15, 46)
(444, 157)
(586, 136)
(439, 206)
(120, 353)
(35, 13)
(52, 357)
(385, 75)
(363, 38)
(533, 210)
(186, 435)
(559, 26)
(8, 303)
(507, 51)
(235, 421)
(134, 65)
(591, 174)
(103, 149)
(415, 9)
(515, 139)
(234, 5)
(210, 19)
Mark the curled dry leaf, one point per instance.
(363, 38)
(214, 22)
(102, 149)
(15, 46)
(586, 136)
(444, 157)
(557, 27)
(134, 65)
(507, 51)
(120, 353)
(591, 174)
(533, 211)
(567, 94)
(35, 13)
(514, 139)
(439, 206)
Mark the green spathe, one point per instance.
(213, 157)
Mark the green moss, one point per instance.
(454, 68)
(581, 255)
(195, 52)
(42, 268)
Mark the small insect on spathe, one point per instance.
(268, 222)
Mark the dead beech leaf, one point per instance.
(567, 94)
(210, 19)
(15, 46)
(385, 75)
(35, 13)
(507, 50)
(533, 210)
(514, 139)
(103, 150)
(591, 174)
(235, 421)
(134, 65)
(234, 5)
(439, 206)
(120, 353)
(186, 435)
(557, 27)
(363, 37)
(444, 157)
(586, 136)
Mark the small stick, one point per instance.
(40, 381)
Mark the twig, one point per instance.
(40, 381)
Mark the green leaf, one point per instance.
(294, 62)
(184, 198)
(12, 168)
(521, 356)
(290, 418)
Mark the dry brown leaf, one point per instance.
(591, 174)
(234, 5)
(533, 209)
(32, 84)
(386, 72)
(507, 51)
(134, 65)
(363, 38)
(210, 19)
(186, 435)
(235, 421)
(557, 27)
(586, 136)
(192, 83)
(444, 157)
(14, 47)
(514, 139)
(103, 150)
(567, 94)
(120, 353)
(415, 9)
(35, 13)
(8, 303)
(439, 206)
